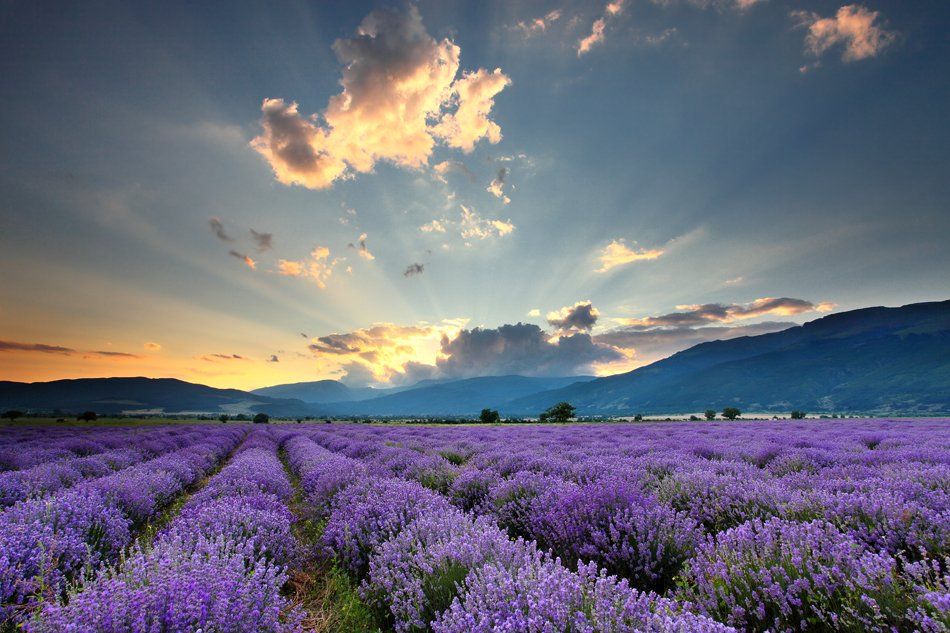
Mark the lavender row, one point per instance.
(219, 566)
(712, 542)
(32, 446)
(59, 474)
(424, 564)
(46, 542)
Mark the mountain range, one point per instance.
(873, 360)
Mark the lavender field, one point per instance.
(750, 526)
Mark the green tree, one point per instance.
(798, 415)
(489, 416)
(731, 413)
(12, 414)
(561, 412)
(710, 414)
(87, 416)
(224, 417)
(638, 417)
(261, 418)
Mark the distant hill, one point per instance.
(115, 395)
(456, 397)
(883, 360)
(319, 391)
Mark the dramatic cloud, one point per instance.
(597, 29)
(244, 258)
(580, 316)
(520, 349)
(318, 267)
(400, 94)
(152, 346)
(413, 269)
(853, 27)
(263, 241)
(383, 351)
(361, 248)
(617, 253)
(497, 185)
(42, 348)
(538, 25)
(217, 227)
(473, 226)
(702, 314)
(474, 98)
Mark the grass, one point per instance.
(318, 585)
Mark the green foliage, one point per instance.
(731, 413)
(12, 414)
(87, 416)
(223, 417)
(489, 416)
(261, 418)
(710, 414)
(441, 587)
(561, 412)
(638, 417)
(798, 415)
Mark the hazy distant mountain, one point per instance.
(114, 395)
(320, 391)
(455, 397)
(887, 360)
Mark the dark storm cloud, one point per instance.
(413, 269)
(520, 349)
(217, 227)
(43, 348)
(580, 316)
(263, 241)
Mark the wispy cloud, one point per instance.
(110, 354)
(214, 358)
(617, 253)
(598, 28)
(263, 241)
(318, 266)
(250, 263)
(401, 94)
(361, 248)
(217, 227)
(538, 25)
(497, 186)
(855, 28)
(151, 346)
(706, 313)
(43, 348)
(473, 226)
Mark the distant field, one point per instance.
(817, 525)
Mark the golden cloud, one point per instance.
(617, 253)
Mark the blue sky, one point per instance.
(752, 163)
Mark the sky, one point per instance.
(382, 192)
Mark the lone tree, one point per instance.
(638, 417)
(87, 416)
(261, 418)
(710, 414)
(489, 416)
(561, 412)
(798, 415)
(223, 417)
(731, 413)
(12, 414)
